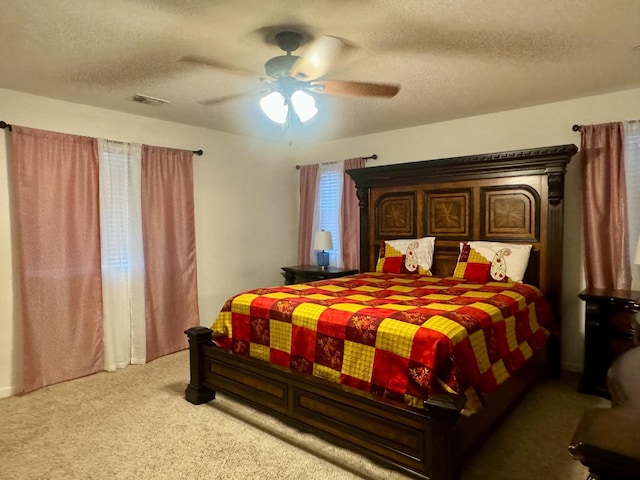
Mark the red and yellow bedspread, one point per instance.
(402, 337)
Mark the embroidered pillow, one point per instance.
(406, 256)
(492, 262)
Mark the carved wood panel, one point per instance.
(448, 213)
(510, 213)
(396, 216)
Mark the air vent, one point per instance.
(147, 100)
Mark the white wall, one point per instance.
(246, 191)
(532, 127)
(245, 206)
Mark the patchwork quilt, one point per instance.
(399, 336)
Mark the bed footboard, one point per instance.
(422, 443)
(196, 392)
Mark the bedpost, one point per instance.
(195, 392)
(555, 184)
(445, 452)
(363, 198)
(555, 233)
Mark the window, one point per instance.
(327, 211)
(114, 196)
(632, 178)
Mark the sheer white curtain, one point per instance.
(326, 215)
(631, 155)
(122, 254)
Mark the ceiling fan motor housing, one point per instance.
(279, 67)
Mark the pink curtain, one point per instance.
(168, 233)
(350, 240)
(55, 188)
(605, 207)
(308, 192)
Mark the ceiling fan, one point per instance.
(292, 80)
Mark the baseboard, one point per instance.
(572, 367)
(8, 391)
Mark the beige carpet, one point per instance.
(135, 424)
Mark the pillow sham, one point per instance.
(406, 256)
(492, 261)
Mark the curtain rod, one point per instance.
(577, 128)
(4, 124)
(370, 157)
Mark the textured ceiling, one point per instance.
(452, 58)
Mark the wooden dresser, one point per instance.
(610, 327)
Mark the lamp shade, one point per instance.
(304, 105)
(637, 257)
(322, 241)
(275, 107)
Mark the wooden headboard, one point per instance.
(514, 196)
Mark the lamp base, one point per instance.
(323, 260)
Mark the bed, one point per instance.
(426, 429)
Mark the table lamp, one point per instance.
(321, 242)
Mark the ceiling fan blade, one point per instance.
(226, 98)
(357, 89)
(318, 58)
(208, 62)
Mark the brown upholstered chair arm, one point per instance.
(607, 440)
(608, 465)
(614, 429)
(623, 379)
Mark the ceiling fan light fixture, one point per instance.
(304, 105)
(275, 107)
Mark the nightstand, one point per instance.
(311, 273)
(610, 327)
